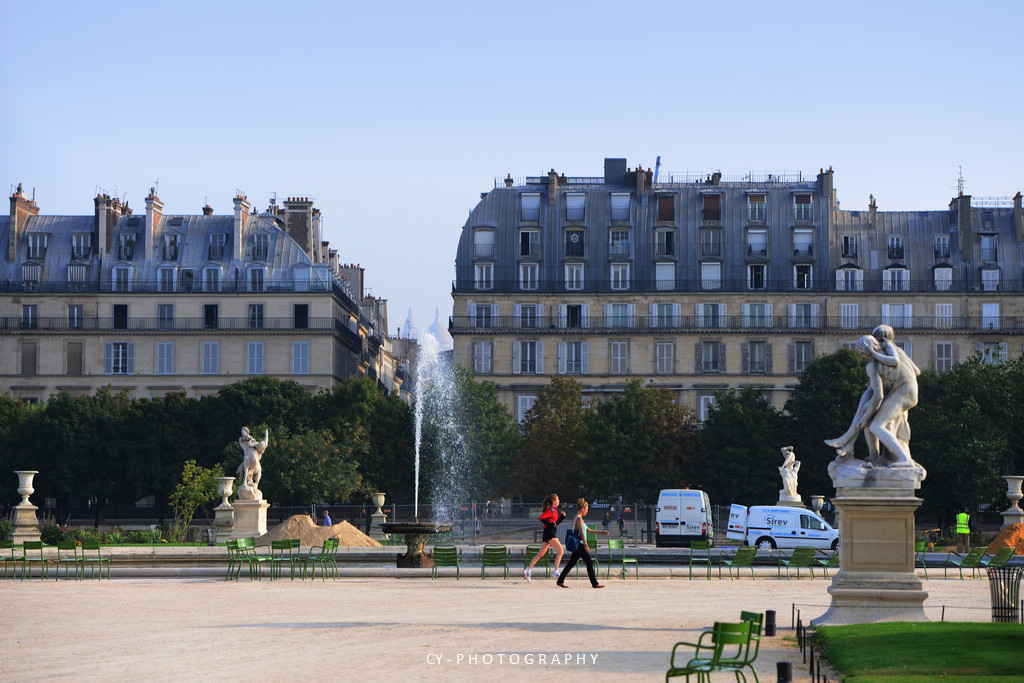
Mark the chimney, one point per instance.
(643, 180)
(963, 223)
(107, 212)
(1018, 218)
(207, 210)
(154, 212)
(508, 181)
(22, 209)
(318, 237)
(872, 210)
(242, 208)
(552, 187)
(298, 223)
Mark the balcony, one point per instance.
(711, 216)
(178, 324)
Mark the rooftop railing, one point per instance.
(178, 324)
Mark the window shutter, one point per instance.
(652, 316)
(540, 358)
(515, 357)
(721, 357)
(744, 314)
(745, 357)
(585, 315)
(791, 357)
(979, 347)
(885, 314)
(471, 312)
(908, 319)
(768, 357)
(631, 314)
(698, 357)
(791, 309)
(131, 358)
(698, 315)
(1002, 351)
(769, 322)
(814, 315)
(561, 358)
(561, 315)
(540, 315)
(516, 315)
(607, 315)
(108, 358)
(721, 316)
(840, 280)
(585, 346)
(677, 312)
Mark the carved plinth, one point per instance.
(876, 580)
(250, 518)
(25, 524)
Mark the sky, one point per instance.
(394, 117)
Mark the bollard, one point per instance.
(784, 670)
(769, 623)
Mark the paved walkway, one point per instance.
(379, 628)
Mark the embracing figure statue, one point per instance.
(251, 469)
(882, 413)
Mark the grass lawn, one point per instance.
(918, 652)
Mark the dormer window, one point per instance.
(667, 209)
(260, 247)
(895, 248)
(803, 243)
(256, 279)
(216, 251)
(620, 207)
(941, 247)
(126, 246)
(530, 208)
(988, 248)
(711, 210)
(81, 246)
(171, 248)
(37, 245)
(756, 212)
(575, 207)
(849, 246)
(802, 207)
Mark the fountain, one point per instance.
(436, 410)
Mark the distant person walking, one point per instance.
(963, 531)
(327, 518)
(312, 516)
(582, 550)
(606, 522)
(550, 519)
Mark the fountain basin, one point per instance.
(416, 535)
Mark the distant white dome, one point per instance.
(440, 332)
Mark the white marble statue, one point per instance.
(882, 413)
(788, 471)
(250, 469)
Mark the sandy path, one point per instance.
(396, 629)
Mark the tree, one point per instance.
(739, 448)
(550, 456)
(313, 467)
(198, 486)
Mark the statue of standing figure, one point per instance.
(789, 470)
(882, 413)
(250, 469)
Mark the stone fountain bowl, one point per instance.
(416, 534)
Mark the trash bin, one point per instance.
(1004, 584)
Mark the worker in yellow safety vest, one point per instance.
(963, 531)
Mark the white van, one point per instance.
(682, 515)
(771, 526)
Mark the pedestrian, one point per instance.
(582, 550)
(476, 529)
(606, 522)
(312, 516)
(327, 518)
(963, 531)
(550, 518)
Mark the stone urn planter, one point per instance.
(25, 488)
(1013, 514)
(25, 523)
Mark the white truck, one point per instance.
(771, 526)
(682, 515)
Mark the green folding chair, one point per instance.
(705, 559)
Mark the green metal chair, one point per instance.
(618, 544)
(1000, 559)
(744, 557)
(254, 558)
(830, 562)
(327, 558)
(703, 547)
(449, 556)
(236, 558)
(7, 554)
(68, 556)
(92, 557)
(719, 649)
(920, 548)
(28, 548)
(284, 552)
(494, 556)
(544, 560)
(800, 558)
(972, 560)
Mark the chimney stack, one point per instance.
(242, 208)
(298, 223)
(22, 209)
(508, 181)
(1018, 218)
(552, 187)
(154, 213)
(207, 210)
(872, 210)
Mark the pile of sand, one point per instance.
(1011, 535)
(309, 534)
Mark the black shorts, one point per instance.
(550, 532)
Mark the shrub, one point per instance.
(53, 534)
(87, 534)
(114, 537)
(5, 528)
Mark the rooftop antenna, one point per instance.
(960, 181)
(156, 187)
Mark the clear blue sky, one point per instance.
(395, 116)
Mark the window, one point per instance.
(119, 358)
(710, 315)
(801, 353)
(165, 280)
(528, 357)
(260, 251)
(710, 356)
(943, 356)
(706, 404)
(711, 243)
(756, 276)
(990, 316)
(664, 276)
(803, 315)
(849, 246)
(523, 406)
(37, 245)
(619, 315)
(943, 279)
(528, 275)
(990, 279)
(620, 207)
(165, 316)
(574, 207)
(187, 278)
(620, 276)
(711, 275)
(757, 243)
(484, 278)
(30, 273)
(619, 357)
(483, 244)
(896, 248)
(165, 358)
(802, 207)
(75, 319)
(482, 315)
(573, 358)
(300, 358)
(849, 280)
(573, 315)
(664, 315)
(526, 315)
(665, 357)
(216, 249)
(666, 209)
(756, 315)
(211, 358)
(171, 248)
(529, 243)
(76, 359)
(29, 358)
(255, 317)
(803, 243)
(126, 246)
(755, 359)
(256, 279)
(944, 316)
(988, 248)
(941, 244)
(895, 280)
(530, 208)
(619, 243)
(897, 315)
(120, 316)
(300, 316)
(849, 316)
(81, 246)
(76, 274)
(254, 358)
(992, 353)
(574, 244)
(210, 314)
(711, 209)
(211, 280)
(483, 353)
(122, 279)
(664, 243)
(802, 275)
(29, 316)
(756, 208)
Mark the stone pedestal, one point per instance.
(378, 518)
(25, 522)
(876, 580)
(250, 518)
(224, 522)
(786, 500)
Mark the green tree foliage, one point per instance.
(197, 487)
(278, 404)
(638, 442)
(821, 407)
(490, 436)
(551, 460)
(739, 448)
(313, 466)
